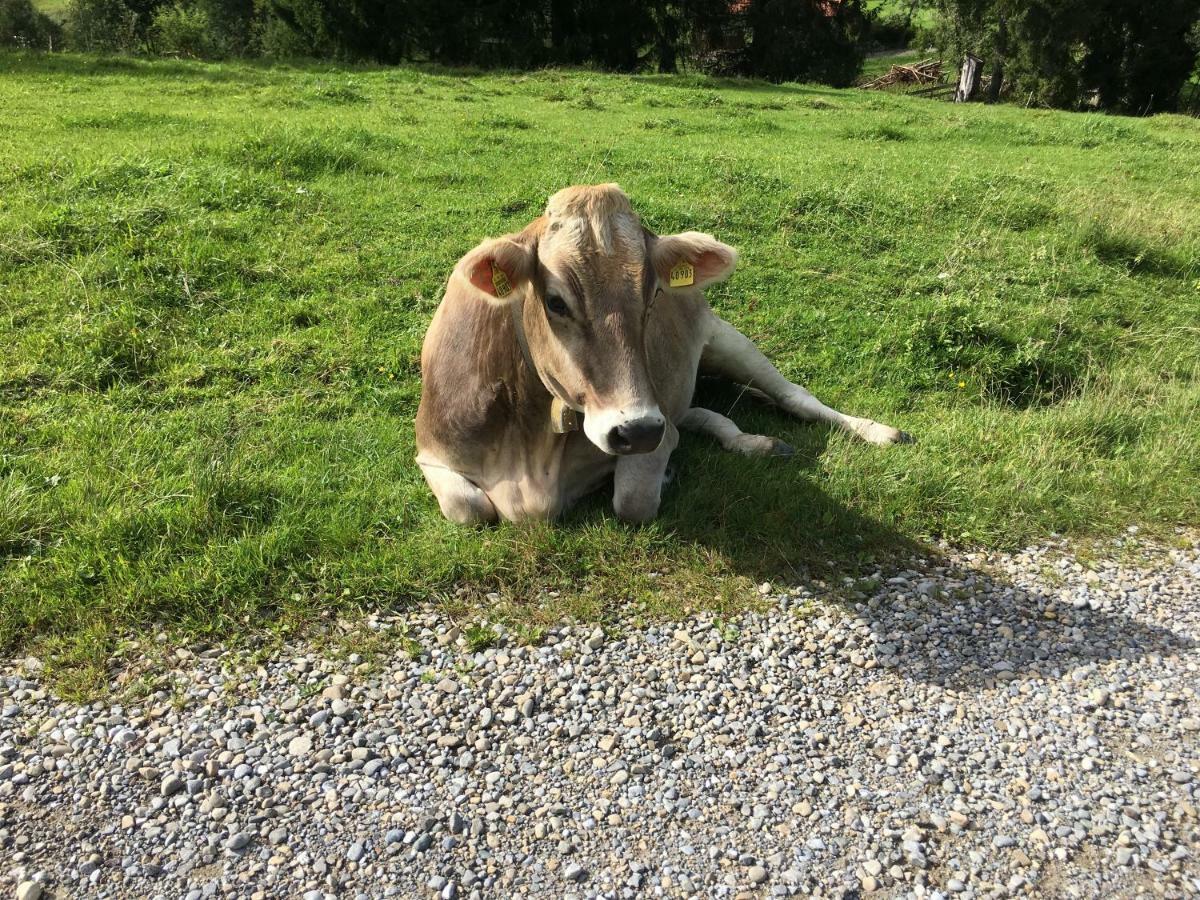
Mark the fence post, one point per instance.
(968, 79)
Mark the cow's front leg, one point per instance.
(705, 421)
(638, 481)
(461, 500)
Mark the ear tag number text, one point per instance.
(682, 275)
(500, 281)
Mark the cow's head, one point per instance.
(588, 274)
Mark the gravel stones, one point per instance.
(968, 725)
(239, 841)
(301, 745)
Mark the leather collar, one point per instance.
(563, 418)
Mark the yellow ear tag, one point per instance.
(500, 282)
(682, 275)
(562, 417)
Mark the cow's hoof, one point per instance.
(760, 445)
(883, 435)
(636, 515)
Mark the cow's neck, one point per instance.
(562, 419)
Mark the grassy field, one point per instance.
(215, 280)
(924, 15)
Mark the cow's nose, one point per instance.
(638, 436)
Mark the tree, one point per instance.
(23, 26)
(183, 30)
(480, 32)
(342, 29)
(1116, 54)
(103, 26)
(459, 32)
(1138, 59)
(807, 40)
(792, 39)
(232, 26)
(608, 33)
(668, 24)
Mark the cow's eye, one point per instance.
(557, 305)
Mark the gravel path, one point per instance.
(977, 725)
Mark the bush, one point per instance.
(233, 26)
(23, 26)
(183, 31)
(279, 38)
(102, 26)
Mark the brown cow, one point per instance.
(584, 312)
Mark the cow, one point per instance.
(568, 353)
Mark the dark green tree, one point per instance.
(482, 32)
(608, 33)
(342, 29)
(1138, 58)
(104, 26)
(23, 26)
(806, 40)
(1119, 55)
(232, 26)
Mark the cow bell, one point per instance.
(562, 417)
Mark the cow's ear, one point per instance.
(498, 269)
(691, 259)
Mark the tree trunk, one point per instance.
(667, 38)
(997, 80)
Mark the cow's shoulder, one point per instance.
(677, 328)
(470, 366)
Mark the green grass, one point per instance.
(216, 279)
(924, 16)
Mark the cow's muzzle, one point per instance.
(639, 436)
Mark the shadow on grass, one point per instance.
(76, 65)
(933, 619)
(733, 84)
(770, 518)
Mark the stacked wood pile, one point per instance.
(928, 71)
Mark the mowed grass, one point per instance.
(923, 15)
(216, 279)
